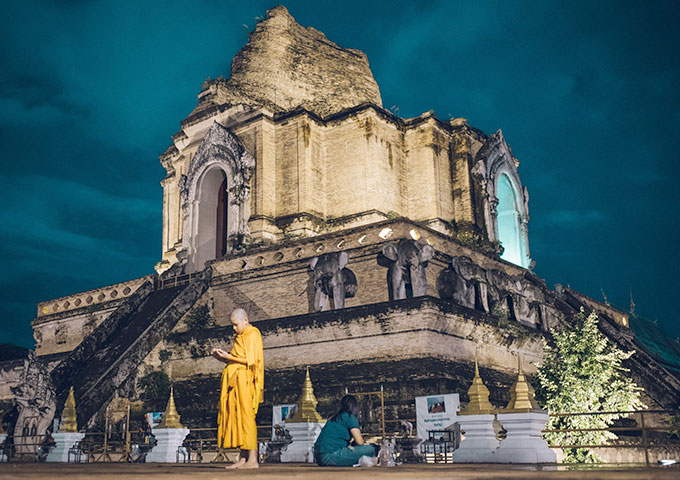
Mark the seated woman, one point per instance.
(333, 447)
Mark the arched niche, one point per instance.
(504, 208)
(215, 197)
(509, 221)
(212, 216)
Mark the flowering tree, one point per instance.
(584, 373)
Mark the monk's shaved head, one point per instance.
(239, 314)
(239, 320)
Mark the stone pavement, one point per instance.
(123, 471)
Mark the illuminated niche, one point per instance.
(509, 218)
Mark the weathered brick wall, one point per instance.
(276, 282)
(413, 347)
(327, 156)
(285, 65)
(62, 333)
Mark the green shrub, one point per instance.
(584, 373)
(199, 318)
(155, 390)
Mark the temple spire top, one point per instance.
(521, 394)
(170, 417)
(69, 422)
(306, 405)
(478, 395)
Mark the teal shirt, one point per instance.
(335, 434)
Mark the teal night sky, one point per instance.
(587, 94)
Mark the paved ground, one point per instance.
(303, 471)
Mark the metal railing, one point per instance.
(163, 283)
(641, 430)
(98, 447)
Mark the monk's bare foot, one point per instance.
(249, 465)
(241, 462)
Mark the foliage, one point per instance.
(501, 313)
(211, 81)
(476, 241)
(584, 373)
(164, 355)
(199, 317)
(155, 389)
(675, 425)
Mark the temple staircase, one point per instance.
(112, 352)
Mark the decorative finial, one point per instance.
(478, 395)
(69, 421)
(604, 295)
(170, 417)
(632, 303)
(521, 394)
(306, 405)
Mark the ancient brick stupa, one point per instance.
(376, 249)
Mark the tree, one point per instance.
(584, 373)
(155, 389)
(199, 318)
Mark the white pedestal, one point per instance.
(64, 441)
(3, 457)
(168, 440)
(304, 435)
(524, 443)
(480, 440)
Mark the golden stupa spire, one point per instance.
(170, 417)
(306, 405)
(478, 395)
(521, 394)
(69, 422)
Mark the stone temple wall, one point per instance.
(274, 282)
(327, 156)
(428, 341)
(315, 176)
(62, 323)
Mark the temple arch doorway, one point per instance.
(212, 202)
(215, 200)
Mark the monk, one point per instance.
(242, 391)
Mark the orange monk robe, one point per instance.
(242, 392)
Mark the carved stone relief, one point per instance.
(493, 160)
(496, 292)
(36, 402)
(219, 149)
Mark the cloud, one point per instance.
(586, 95)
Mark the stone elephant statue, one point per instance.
(406, 261)
(502, 290)
(332, 280)
(464, 282)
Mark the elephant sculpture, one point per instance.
(332, 280)
(502, 292)
(406, 261)
(520, 296)
(464, 282)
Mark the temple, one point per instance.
(375, 250)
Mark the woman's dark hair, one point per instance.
(348, 404)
